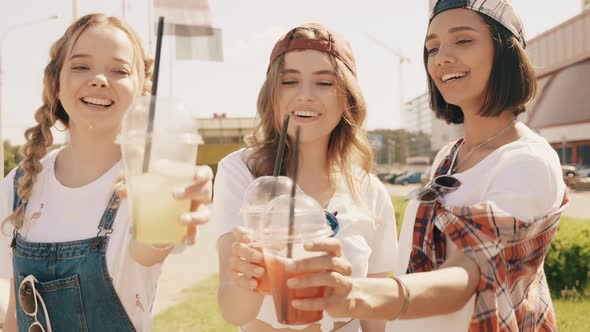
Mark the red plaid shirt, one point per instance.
(512, 294)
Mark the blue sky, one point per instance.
(250, 29)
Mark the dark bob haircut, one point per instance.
(511, 85)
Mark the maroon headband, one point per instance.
(335, 45)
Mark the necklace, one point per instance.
(480, 145)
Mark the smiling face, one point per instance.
(99, 80)
(460, 57)
(308, 91)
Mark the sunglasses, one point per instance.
(435, 189)
(28, 295)
(332, 222)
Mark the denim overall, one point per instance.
(73, 279)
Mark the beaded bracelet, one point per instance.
(406, 292)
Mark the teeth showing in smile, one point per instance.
(451, 76)
(306, 114)
(97, 101)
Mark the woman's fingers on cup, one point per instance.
(332, 279)
(200, 216)
(321, 303)
(321, 263)
(200, 189)
(245, 252)
(241, 235)
(245, 282)
(245, 268)
(331, 246)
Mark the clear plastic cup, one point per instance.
(282, 244)
(256, 196)
(174, 141)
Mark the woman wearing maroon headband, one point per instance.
(311, 77)
(474, 240)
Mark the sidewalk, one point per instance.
(181, 271)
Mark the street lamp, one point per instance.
(401, 59)
(2, 37)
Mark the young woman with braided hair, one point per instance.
(66, 238)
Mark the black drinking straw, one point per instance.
(152, 114)
(279, 157)
(293, 190)
(285, 306)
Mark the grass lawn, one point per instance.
(572, 315)
(199, 313)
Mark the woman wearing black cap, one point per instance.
(312, 77)
(474, 240)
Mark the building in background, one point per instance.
(223, 130)
(561, 110)
(221, 136)
(427, 134)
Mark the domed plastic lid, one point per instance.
(262, 190)
(309, 220)
(173, 121)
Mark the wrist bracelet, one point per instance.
(406, 291)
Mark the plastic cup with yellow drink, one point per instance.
(168, 164)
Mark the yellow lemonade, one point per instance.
(155, 212)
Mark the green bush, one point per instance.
(567, 264)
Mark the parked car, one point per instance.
(383, 176)
(569, 174)
(568, 171)
(583, 172)
(412, 177)
(393, 176)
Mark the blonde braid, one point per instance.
(39, 138)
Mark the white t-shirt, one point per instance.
(69, 214)
(522, 178)
(367, 230)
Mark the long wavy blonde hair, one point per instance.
(348, 146)
(39, 137)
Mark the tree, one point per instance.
(11, 157)
(390, 151)
(399, 144)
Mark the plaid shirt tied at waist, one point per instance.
(512, 294)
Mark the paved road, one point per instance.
(183, 270)
(579, 200)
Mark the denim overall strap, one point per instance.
(106, 222)
(16, 202)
